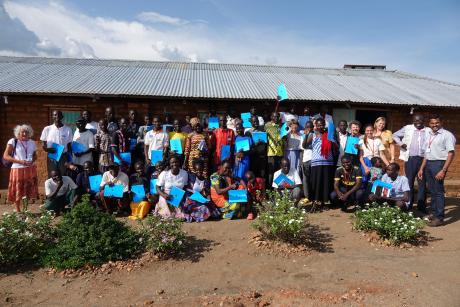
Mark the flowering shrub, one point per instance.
(389, 222)
(163, 236)
(279, 218)
(87, 236)
(23, 236)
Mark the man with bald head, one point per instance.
(112, 124)
(411, 139)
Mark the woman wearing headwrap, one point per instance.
(197, 147)
(322, 163)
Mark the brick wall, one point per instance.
(35, 110)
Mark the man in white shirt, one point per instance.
(295, 190)
(57, 133)
(90, 125)
(86, 138)
(342, 137)
(60, 191)
(155, 139)
(439, 154)
(110, 178)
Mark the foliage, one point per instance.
(24, 236)
(389, 222)
(87, 236)
(279, 218)
(163, 236)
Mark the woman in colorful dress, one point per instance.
(174, 177)
(242, 158)
(386, 137)
(196, 147)
(322, 163)
(20, 151)
(221, 182)
(103, 146)
(197, 183)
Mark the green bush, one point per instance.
(280, 219)
(87, 236)
(163, 236)
(389, 222)
(23, 237)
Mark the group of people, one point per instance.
(303, 154)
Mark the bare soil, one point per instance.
(226, 265)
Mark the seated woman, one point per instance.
(295, 189)
(174, 177)
(399, 193)
(221, 182)
(197, 183)
(256, 192)
(347, 184)
(110, 178)
(60, 192)
(139, 209)
(84, 184)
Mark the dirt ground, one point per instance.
(224, 269)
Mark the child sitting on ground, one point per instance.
(139, 209)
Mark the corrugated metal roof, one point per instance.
(34, 75)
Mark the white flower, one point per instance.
(16, 231)
(291, 221)
(393, 221)
(180, 242)
(270, 216)
(27, 219)
(412, 227)
(411, 214)
(5, 213)
(2, 229)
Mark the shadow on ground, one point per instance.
(194, 249)
(318, 239)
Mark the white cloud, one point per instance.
(155, 17)
(65, 32)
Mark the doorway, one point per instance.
(366, 117)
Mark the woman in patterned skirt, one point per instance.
(197, 147)
(21, 152)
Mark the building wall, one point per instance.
(36, 110)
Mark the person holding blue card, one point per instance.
(293, 144)
(258, 154)
(242, 158)
(275, 146)
(139, 186)
(85, 139)
(83, 182)
(221, 182)
(399, 193)
(195, 209)
(155, 139)
(60, 134)
(120, 144)
(115, 178)
(174, 177)
(306, 159)
(221, 136)
(197, 146)
(177, 140)
(292, 183)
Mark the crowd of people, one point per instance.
(210, 160)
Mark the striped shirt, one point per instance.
(317, 159)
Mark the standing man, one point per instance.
(275, 150)
(342, 137)
(220, 137)
(57, 133)
(86, 138)
(112, 124)
(253, 111)
(411, 140)
(90, 124)
(133, 126)
(439, 153)
(120, 143)
(155, 139)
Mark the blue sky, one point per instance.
(421, 37)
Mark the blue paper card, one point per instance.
(176, 146)
(139, 193)
(167, 127)
(245, 116)
(95, 183)
(156, 155)
(113, 191)
(259, 136)
(284, 130)
(282, 92)
(213, 122)
(125, 156)
(224, 152)
(78, 147)
(303, 120)
(132, 144)
(382, 188)
(350, 145)
(331, 132)
(153, 186)
(247, 124)
(242, 144)
(237, 196)
(59, 150)
(197, 196)
(176, 196)
(282, 178)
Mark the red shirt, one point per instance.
(221, 136)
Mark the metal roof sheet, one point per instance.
(35, 75)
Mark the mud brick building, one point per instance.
(30, 88)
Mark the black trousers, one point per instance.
(273, 164)
(412, 166)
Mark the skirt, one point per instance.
(23, 182)
(294, 158)
(321, 179)
(168, 211)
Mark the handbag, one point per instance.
(7, 163)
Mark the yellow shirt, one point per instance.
(178, 135)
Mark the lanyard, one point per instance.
(430, 141)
